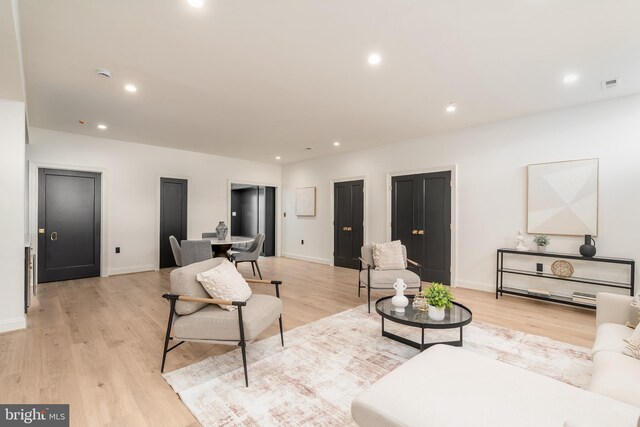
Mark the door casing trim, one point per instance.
(33, 208)
(454, 212)
(365, 208)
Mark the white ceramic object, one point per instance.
(399, 301)
(520, 241)
(436, 313)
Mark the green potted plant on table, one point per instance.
(541, 241)
(439, 298)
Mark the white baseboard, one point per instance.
(133, 269)
(478, 286)
(307, 258)
(13, 324)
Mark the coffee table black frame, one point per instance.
(421, 345)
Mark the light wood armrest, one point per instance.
(266, 282)
(209, 300)
(364, 262)
(415, 264)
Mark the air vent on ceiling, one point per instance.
(611, 84)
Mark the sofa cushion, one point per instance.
(610, 337)
(386, 279)
(617, 376)
(225, 282)
(184, 281)
(215, 323)
(465, 388)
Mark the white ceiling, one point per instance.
(255, 79)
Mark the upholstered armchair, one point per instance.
(370, 278)
(195, 316)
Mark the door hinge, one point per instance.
(450, 226)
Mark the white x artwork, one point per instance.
(563, 198)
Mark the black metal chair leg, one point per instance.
(369, 298)
(168, 335)
(242, 345)
(281, 334)
(244, 363)
(253, 269)
(258, 268)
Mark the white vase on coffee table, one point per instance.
(399, 301)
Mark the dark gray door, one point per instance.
(173, 216)
(348, 224)
(68, 225)
(421, 219)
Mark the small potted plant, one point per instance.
(439, 298)
(541, 241)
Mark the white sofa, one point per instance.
(615, 374)
(446, 386)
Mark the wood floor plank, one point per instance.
(96, 343)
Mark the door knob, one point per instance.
(414, 231)
(421, 232)
(54, 236)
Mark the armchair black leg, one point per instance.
(168, 335)
(369, 298)
(244, 363)
(258, 268)
(359, 287)
(253, 269)
(243, 345)
(281, 334)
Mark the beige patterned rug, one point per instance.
(325, 364)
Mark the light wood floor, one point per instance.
(96, 343)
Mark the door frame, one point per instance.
(454, 212)
(156, 228)
(365, 207)
(278, 212)
(34, 167)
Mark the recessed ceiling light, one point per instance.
(102, 127)
(336, 143)
(277, 157)
(196, 3)
(130, 88)
(570, 78)
(450, 108)
(374, 59)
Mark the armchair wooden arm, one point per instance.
(415, 264)
(205, 300)
(266, 282)
(277, 284)
(363, 261)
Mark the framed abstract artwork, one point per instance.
(563, 198)
(306, 201)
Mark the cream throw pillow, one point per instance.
(388, 256)
(633, 347)
(224, 282)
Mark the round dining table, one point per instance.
(221, 247)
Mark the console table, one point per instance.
(501, 270)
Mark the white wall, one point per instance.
(12, 135)
(131, 176)
(491, 165)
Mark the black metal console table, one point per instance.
(501, 270)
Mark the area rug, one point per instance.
(325, 364)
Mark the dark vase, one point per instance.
(588, 249)
(222, 229)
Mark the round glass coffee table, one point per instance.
(455, 317)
